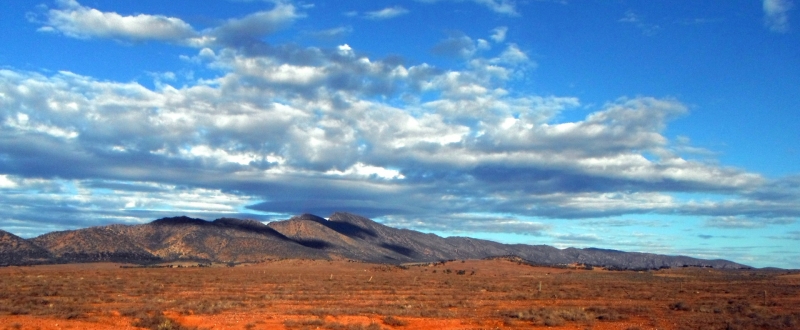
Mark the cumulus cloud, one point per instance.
(77, 21)
(386, 13)
(513, 56)
(256, 25)
(776, 14)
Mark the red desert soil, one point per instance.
(306, 294)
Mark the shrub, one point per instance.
(680, 306)
(157, 321)
(393, 321)
(605, 314)
(304, 323)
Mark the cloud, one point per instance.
(513, 56)
(470, 223)
(294, 130)
(34, 206)
(456, 45)
(332, 33)
(386, 13)
(603, 223)
(577, 238)
(648, 29)
(499, 34)
(253, 26)
(6, 183)
(505, 7)
(776, 14)
(77, 21)
(730, 222)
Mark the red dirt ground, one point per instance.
(305, 294)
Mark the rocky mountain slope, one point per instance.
(341, 236)
(15, 250)
(173, 239)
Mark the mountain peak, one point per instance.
(16, 250)
(310, 217)
(181, 220)
(351, 219)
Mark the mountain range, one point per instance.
(343, 236)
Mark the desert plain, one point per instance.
(460, 294)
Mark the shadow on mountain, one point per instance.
(182, 220)
(399, 249)
(251, 226)
(349, 229)
(313, 243)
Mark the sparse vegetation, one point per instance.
(299, 294)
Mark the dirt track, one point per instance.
(297, 294)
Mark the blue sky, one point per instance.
(655, 126)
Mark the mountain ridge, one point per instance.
(343, 236)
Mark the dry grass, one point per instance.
(482, 293)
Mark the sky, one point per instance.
(665, 127)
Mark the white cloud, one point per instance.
(256, 25)
(6, 183)
(512, 55)
(367, 171)
(386, 13)
(499, 34)
(78, 21)
(505, 7)
(22, 122)
(776, 14)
